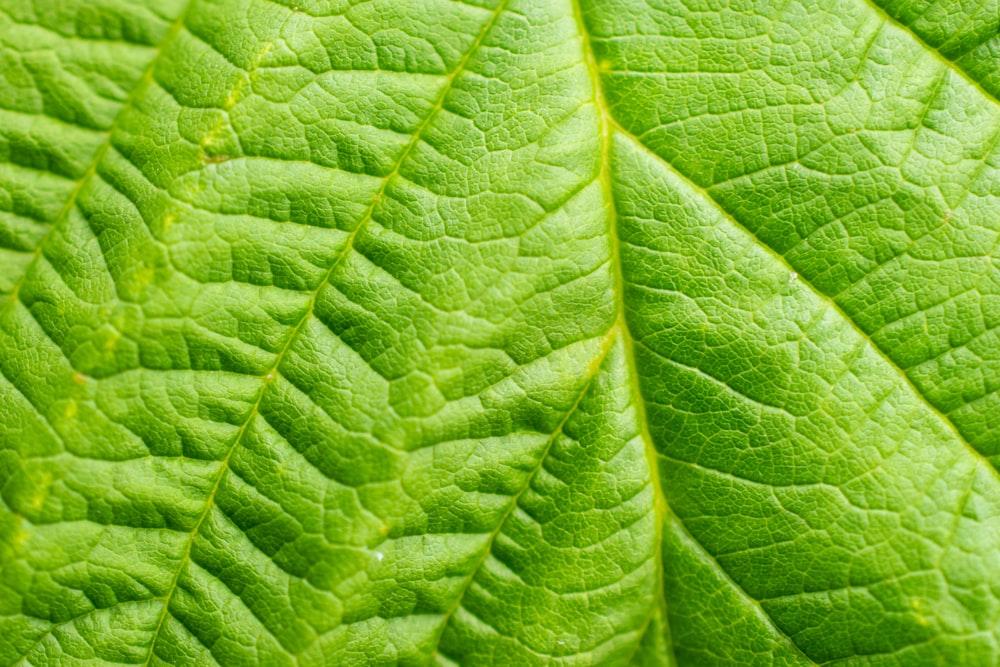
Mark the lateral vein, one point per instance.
(832, 303)
(147, 77)
(948, 62)
(595, 366)
(271, 375)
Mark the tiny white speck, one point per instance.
(793, 276)
(379, 556)
(269, 376)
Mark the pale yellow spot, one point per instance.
(918, 607)
(192, 187)
(234, 95)
(112, 341)
(211, 139)
(266, 49)
(42, 491)
(71, 409)
(214, 136)
(145, 275)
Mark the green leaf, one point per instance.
(500, 332)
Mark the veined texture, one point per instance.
(499, 332)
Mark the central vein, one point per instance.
(607, 126)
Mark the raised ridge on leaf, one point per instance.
(499, 332)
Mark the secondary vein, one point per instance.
(948, 62)
(271, 375)
(595, 366)
(831, 302)
(140, 86)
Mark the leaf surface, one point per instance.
(517, 332)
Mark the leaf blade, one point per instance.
(311, 371)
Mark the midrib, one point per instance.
(609, 126)
(659, 499)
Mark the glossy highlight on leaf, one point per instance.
(500, 332)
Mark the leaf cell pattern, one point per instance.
(499, 332)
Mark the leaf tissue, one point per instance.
(500, 332)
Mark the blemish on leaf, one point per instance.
(111, 342)
(215, 159)
(41, 491)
